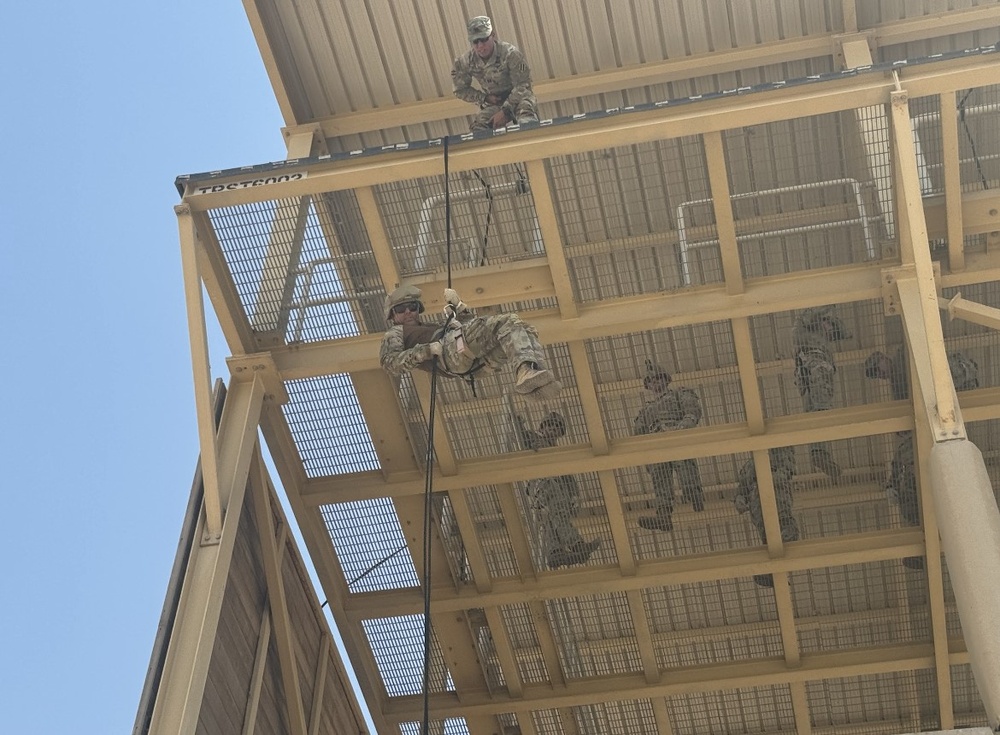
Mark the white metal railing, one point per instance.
(863, 218)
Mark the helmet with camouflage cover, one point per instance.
(877, 365)
(782, 458)
(964, 371)
(553, 425)
(654, 372)
(822, 318)
(402, 295)
(480, 27)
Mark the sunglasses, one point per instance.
(408, 306)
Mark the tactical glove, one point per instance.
(454, 305)
(430, 351)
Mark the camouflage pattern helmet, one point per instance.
(964, 371)
(782, 458)
(480, 27)
(554, 424)
(654, 371)
(402, 295)
(874, 363)
(817, 318)
(812, 317)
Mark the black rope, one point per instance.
(972, 141)
(447, 212)
(429, 470)
(428, 507)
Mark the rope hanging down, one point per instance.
(429, 471)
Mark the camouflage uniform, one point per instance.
(557, 499)
(505, 74)
(814, 329)
(901, 485)
(468, 342)
(492, 340)
(747, 498)
(964, 371)
(782, 461)
(670, 410)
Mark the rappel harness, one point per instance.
(478, 363)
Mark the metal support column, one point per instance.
(969, 523)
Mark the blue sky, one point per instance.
(104, 104)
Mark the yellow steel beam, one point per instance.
(257, 676)
(654, 311)
(589, 400)
(505, 651)
(806, 554)
(597, 134)
(952, 181)
(643, 636)
(378, 237)
(689, 680)
(271, 555)
(935, 576)
(970, 311)
(616, 519)
(198, 338)
(548, 225)
(284, 250)
(718, 178)
(842, 423)
(189, 654)
(920, 309)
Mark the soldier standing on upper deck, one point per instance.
(747, 499)
(504, 94)
(557, 499)
(901, 484)
(671, 409)
(815, 329)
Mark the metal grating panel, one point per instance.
(303, 267)
(338, 288)
(620, 211)
(596, 635)
(492, 219)
(370, 545)
(712, 622)
(860, 605)
(491, 528)
(880, 703)
(799, 204)
(617, 718)
(969, 710)
(398, 646)
(757, 709)
(450, 726)
(328, 426)
(520, 624)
